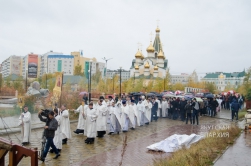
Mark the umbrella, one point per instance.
(82, 93)
(210, 96)
(199, 99)
(231, 91)
(150, 94)
(189, 95)
(177, 92)
(199, 95)
(168, 95)
(138, 94)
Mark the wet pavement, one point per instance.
(238, 154)
(107, 150)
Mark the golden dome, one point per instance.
(161, 55)
(142, 56)
(138, 54)
(156, 67)
(157, 29)
(136, 67)
(150, 48)
(147, 65)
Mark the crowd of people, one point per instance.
(121, 114)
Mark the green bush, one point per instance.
(248, 97)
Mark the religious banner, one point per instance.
(20, 101)
(58, 86)
(32, 65)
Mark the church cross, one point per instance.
(151, 35)
(157, 23)
(138, 45)
(141, 45)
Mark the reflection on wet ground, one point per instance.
(107, 150)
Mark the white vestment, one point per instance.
(81, 120)
(164, 108)
(109, 105)
(65, 124)
(159, 107)
(58, 134)
(124, 118)
(90, 116)
(114, 123)
(148, 110)
(140, 108)
(136, 115)
(25, 122)
(131, 116)
(102, 119)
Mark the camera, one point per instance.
(45, 113)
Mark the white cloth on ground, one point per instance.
(175, 142)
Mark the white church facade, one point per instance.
(154, 65)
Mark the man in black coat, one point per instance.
(235, 106)
(182, 109)
(214, 105)
(49, 132)
(154, 110)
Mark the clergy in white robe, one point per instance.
(159, 106)
(164, 106)
(124, 117)
(141, 110)
(65, 124)
(58, 134)
(109, 105)
(148, 109)
(90, 115)
(115, 126)
(81, 120)
(25, 123)
(131, 115)
(102, 118)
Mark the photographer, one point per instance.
(49, 132)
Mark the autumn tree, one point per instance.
(210, 87)
(78, 71)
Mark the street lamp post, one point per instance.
(90, 80)
(26, 80)
(113, 82)
(106, 65)
(164, 84)
(120, 82)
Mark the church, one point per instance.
(154, 65)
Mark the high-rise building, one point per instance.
(61, 63)
(125, 74)
(11, 65)
(44, 62)
(84, 62)
(30, 65)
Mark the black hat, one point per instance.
(123, 102)
(133, 101)
(110, 97)
(101, 98)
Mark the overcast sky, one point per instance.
(201, 35)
